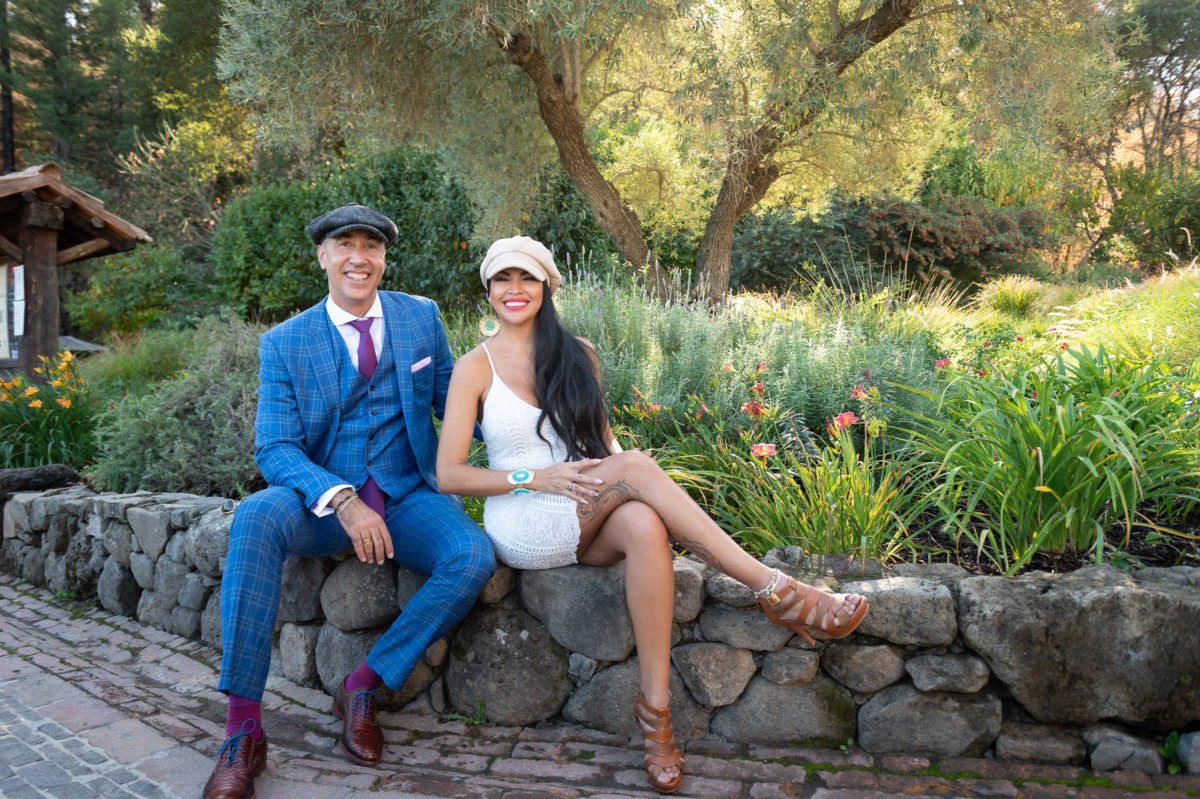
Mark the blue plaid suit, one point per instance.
(307, 390)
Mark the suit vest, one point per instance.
(371, 437)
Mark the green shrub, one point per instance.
(265, 264)
(1046, 458)
(134, 365)
(194, 432)
(861, 240)
(149, 287)
(1015, 295)
(1159, 215)
(47, 422)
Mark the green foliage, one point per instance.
(561, 219)
(1159, 215)
(1170, 751)
(194, 432)
(133, 366)
(264, 262)
(1048, 456)
(47, 422)
(149, 287)
(961, 237)
(1014, 295)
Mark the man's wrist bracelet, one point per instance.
(519, 480)
(337, 510)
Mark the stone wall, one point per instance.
(1089, 668)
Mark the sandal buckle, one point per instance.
(773, 599)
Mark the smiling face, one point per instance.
(515, 295)
(353, 263)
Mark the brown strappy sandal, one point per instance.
(783, 594)
(661, 750)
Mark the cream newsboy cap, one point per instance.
(523, 253)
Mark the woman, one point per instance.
(561, 491)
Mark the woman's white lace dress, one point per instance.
(538, 530)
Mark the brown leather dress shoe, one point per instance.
(361, 740)
(240, 760)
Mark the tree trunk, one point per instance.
(40, 223)
(560, 113)
(752, 168)
(8, 147)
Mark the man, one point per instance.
(345, 440)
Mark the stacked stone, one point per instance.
(1093, 666)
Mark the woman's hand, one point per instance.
(568, 480)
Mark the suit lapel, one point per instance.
(399, 342)
(324, 351)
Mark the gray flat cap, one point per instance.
(352, 217)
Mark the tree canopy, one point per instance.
(681, 112)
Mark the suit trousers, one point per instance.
(430, 534)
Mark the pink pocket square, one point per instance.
(421, 364)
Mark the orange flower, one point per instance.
(754, 408)
(35, 404)
(727, 366)
(29, 392)
(757, 388)
(844, 420)
(67, 357)
(63, 402)
(760, 369)
(858, 393)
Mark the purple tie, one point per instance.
(369, 493)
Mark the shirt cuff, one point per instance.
(321, 508)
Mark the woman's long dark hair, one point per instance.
(567, 388)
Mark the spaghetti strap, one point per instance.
(489, 357)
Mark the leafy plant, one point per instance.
(194, 432)
(49, 421)
(473, 720)
(1170, 750)
(1048, 457)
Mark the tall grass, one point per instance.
(1047, 458)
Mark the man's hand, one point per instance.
(366, 530)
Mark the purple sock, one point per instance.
(363, 678)
(241, 709)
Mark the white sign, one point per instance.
(18, 321)
(4, 345)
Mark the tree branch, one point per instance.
(835, 19)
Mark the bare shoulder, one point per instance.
(473, 368)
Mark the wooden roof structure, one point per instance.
(87, 230)
(44, 223)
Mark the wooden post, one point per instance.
(40, 223)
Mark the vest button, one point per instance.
(370, 463)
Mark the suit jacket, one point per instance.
(301, 395)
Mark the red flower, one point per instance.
(1063, 346)
(1035, 393)
(754, 408)
(942, 364)
(982, 372)
(1020, 338)
(987, 343)
(844, 420)
(858, 393)
(757, 388)
(760, 369)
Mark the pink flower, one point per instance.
(858, 393)
(754, 408)
(844, 420)
(757, 388)
(762, 450)
(942, 364)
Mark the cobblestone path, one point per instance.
(96, 705)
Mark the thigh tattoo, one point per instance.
(610, 497)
